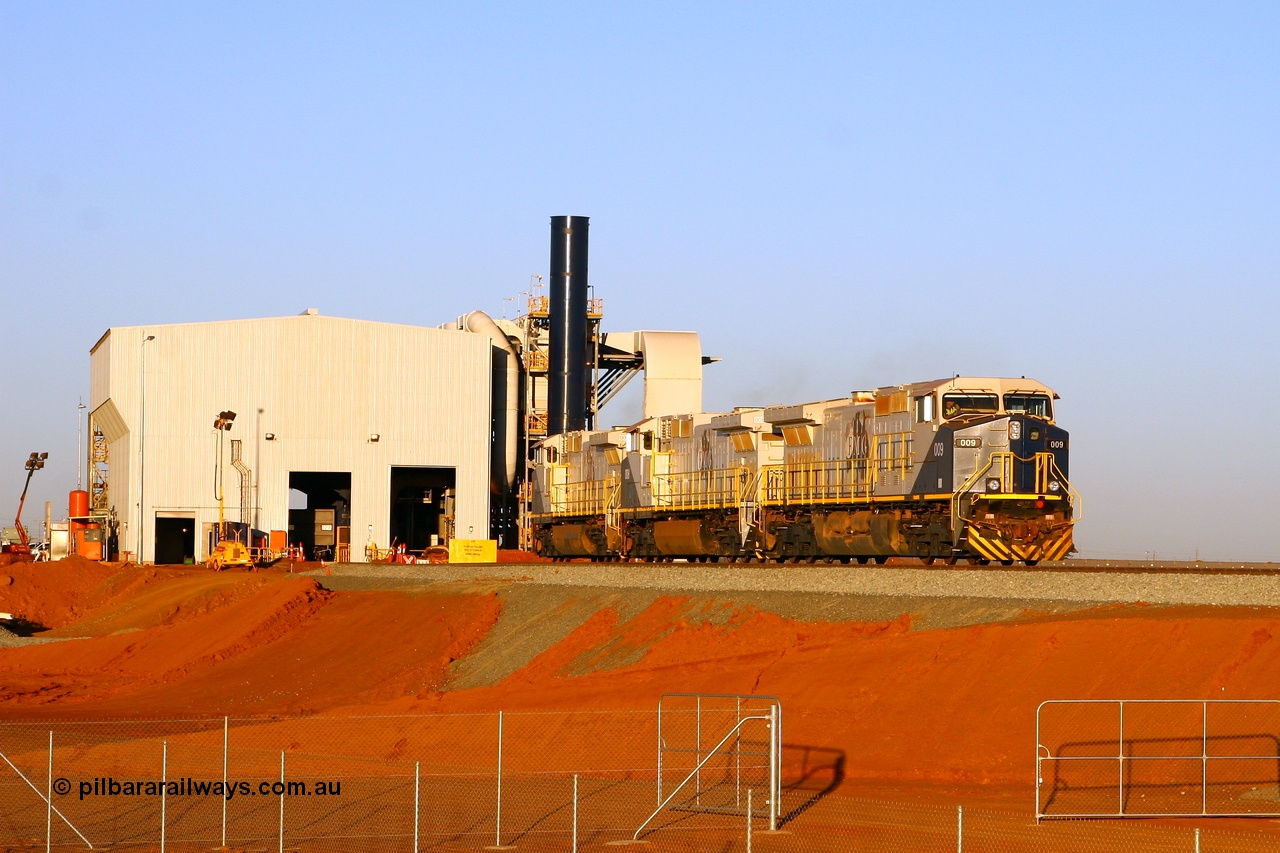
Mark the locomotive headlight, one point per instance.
(1054, 486)
(993, 485)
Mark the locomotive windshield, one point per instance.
(955, 405)
(1031, 404)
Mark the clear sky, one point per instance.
(836, 196)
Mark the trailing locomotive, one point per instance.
(968, 468)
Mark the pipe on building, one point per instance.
(506, 400)
(569, 376)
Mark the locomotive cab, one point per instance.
(1013, 499)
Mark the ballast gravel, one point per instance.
(1205, 587)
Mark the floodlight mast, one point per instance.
(228, 552)
(222, 424)
(34, 463)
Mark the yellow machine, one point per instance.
(228, 552)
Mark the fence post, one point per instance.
(282, 801)
(748, 820)
(48, 799)
(775, 767)
(697, 756)
(737, 749)
(164, 783)
(959, 829)
(498, 838)
(659, 751)
(1121, 741)
(1197, 839)
(225, 725)
(1204, 763)
(575, 813)
(416, 766)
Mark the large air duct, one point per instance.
(506, 400)
(569, 377)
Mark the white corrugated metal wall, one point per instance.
(322, 386)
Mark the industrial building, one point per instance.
(384, 425)
(343, 436)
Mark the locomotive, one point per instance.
(964, 468)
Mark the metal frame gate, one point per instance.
(1145, 758)
(703, 734)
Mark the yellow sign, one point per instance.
(473, 550)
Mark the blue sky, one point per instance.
(836, 196)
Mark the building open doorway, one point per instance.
(175, 537)
(323, 527)
(422, 506)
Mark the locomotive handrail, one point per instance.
(718, 488)
(1077, 502)
(965, 487)
(583, 497)
(611, 505)
(821, 481)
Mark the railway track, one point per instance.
(1139, 567)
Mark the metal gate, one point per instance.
(1157, 758)
(713, 749)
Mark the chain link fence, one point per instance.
(554, 781)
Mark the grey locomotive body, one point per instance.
(964, 468)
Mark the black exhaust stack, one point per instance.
(569, 377)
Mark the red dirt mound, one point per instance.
(234, 643)
(59, 593)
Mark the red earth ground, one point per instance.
(943, 710)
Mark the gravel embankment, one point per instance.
(10, 640)
(1076, 585)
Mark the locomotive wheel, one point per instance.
(1030, 562)
(880, 561)
(928, 561)
(1006, 562)
(862, 561)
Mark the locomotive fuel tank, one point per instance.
(687, 537)
(863, 532)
